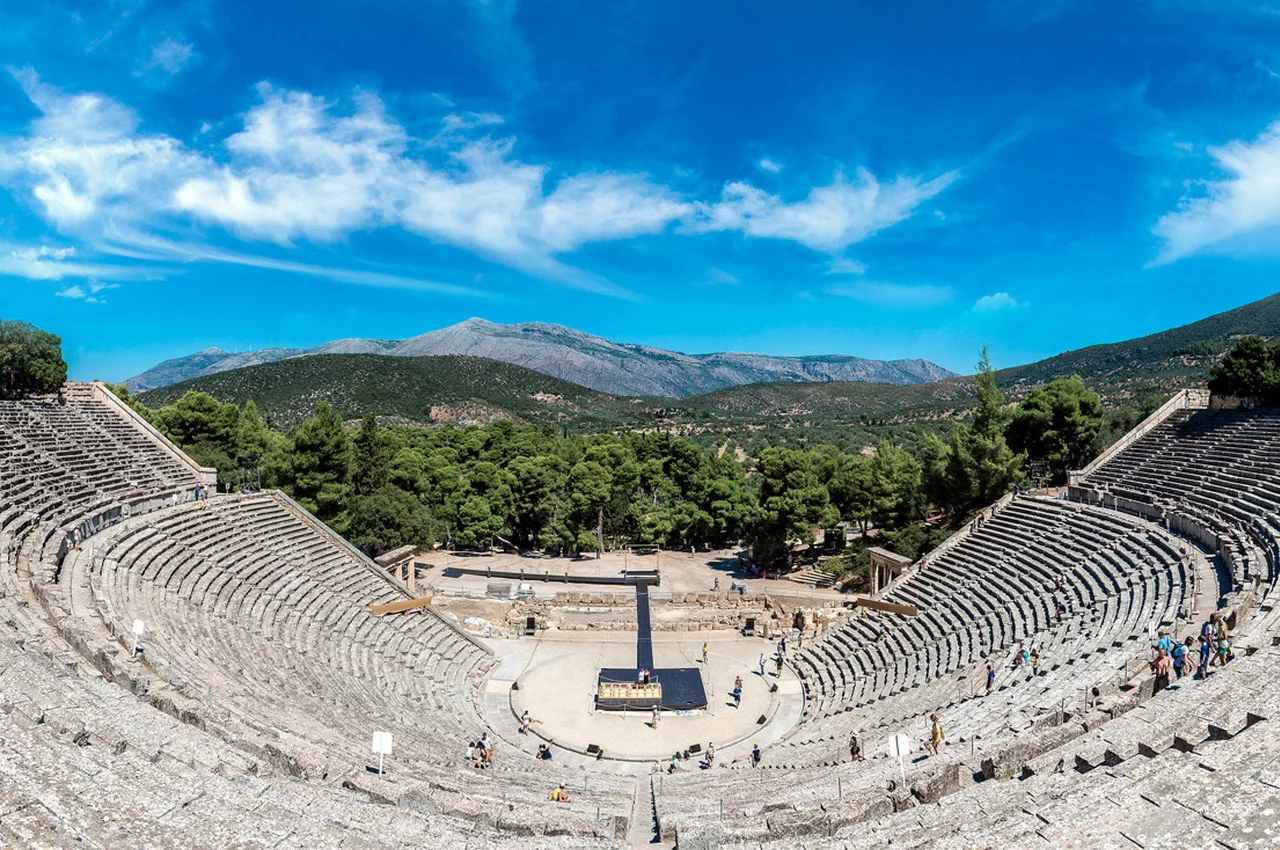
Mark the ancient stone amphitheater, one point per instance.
(246, 720)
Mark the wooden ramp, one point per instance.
(402, 605)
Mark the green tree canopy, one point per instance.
(371, 467)
(1249, 370)
(388, 518)
(1058, 423)
(30, 360)
(321, 463)
(793, 502)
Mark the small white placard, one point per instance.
(900, 745)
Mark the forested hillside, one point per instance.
(538, 488)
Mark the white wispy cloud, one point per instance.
(718, 277)
(893, 294)
(844, 265)
(831, 218)
(299, 167)
(90, 292)
(169, 57)
(766, 164)
(997, 301)
(44, 262)
(1238, 213)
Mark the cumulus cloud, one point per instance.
(893, 294)
(996, 302)
(1238, 213)
(831, 218)
(300, 167)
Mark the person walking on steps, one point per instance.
(935, 735)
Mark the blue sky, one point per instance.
(890, 180)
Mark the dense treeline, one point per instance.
(30, 360)
(1249, 371)
(534, 489)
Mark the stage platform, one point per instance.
(677, 689)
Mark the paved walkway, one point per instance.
(682, 572)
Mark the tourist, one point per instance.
(1160, 667)
(762, 665)
(1061, 609)
(655, 717)
(935, 735)
(855, 749)
(675, 764)
(1165, 643)
(525, 720)
(560, 795)
(1017, 657)
(471, 752)
(737, 697)
(1221, 640)
(544, 753)
(755, 755)
(782, 645)
(1179, 657)
(1205, 651)
(704, 652)
(1035, 663)
(778, 661)
(737, 681)
(991, 678)
(711, 754)
(1095, 701)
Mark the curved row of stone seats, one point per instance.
(84, 763)
(219, 784)
(79, 462)
(1157, 748)
(977, 600)
(1192, 766)
(261, 624)
(1214, 467)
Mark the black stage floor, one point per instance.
(681, 686)
(644, 633)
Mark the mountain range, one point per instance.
(590, 361)
(473, 390)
